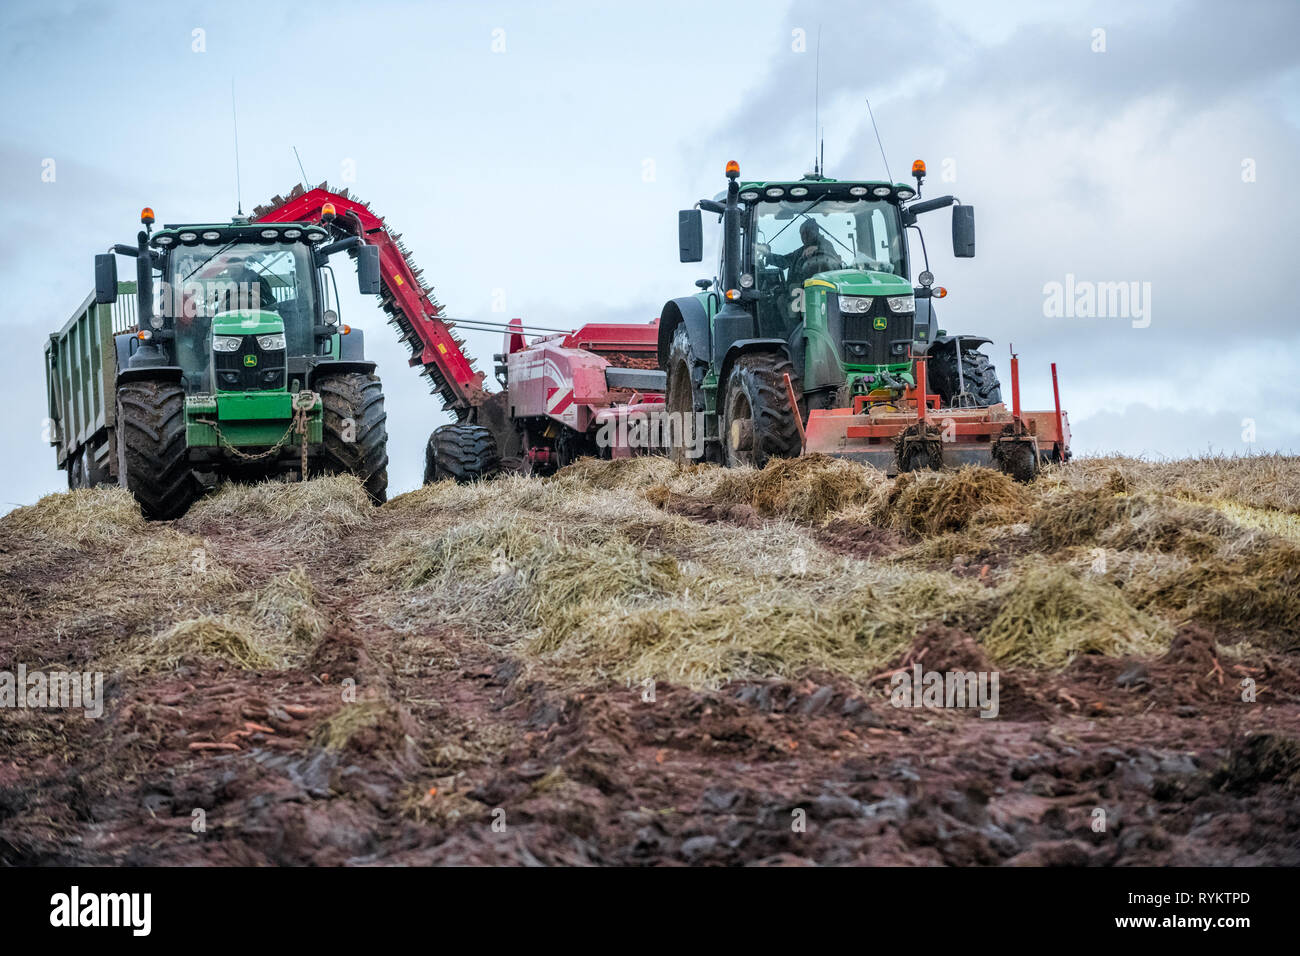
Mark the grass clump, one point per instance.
(1252, 587)
(287, 608)
(268, 629)
(932, 503)
(299, 514)
(1145, 521)
(500, 573)
(86, 517)
(1270, 482)
(807, 488)
(221, 637)
(1049, 615)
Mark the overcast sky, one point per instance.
(534, 157)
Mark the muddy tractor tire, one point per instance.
(355, 430)
(461, 452)
(981, 379)
(684, 399)
(1020, 461)
(757, 422)
(152, 453)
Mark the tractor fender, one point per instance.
(745, 346)
(155, 373)
(336, 368)
(968, 342)
(688, 311)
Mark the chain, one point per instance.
(302, 404)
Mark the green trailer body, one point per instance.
(80, 384)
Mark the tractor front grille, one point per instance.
(250, 369)
(880, 337)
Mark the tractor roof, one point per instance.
(810, 188)
(220, 233)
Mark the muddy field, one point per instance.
(638, 663)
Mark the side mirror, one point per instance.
(963, 232)
(368, 270)
(106, 278)
(690, 235)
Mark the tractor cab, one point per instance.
(260, 291)
(818, 268)
(242, 300)
(827, 263)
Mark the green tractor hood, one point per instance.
(855, 282)
(246, 322)
(825, 364)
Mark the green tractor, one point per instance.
(812, 307)
(241, 370)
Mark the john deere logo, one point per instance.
(250, 360)
(878, 323)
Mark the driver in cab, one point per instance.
(814, 255)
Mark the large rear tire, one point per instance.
(462, 452)
(152, 454)
(757, 422)
(981, 378)
(355, 430)
(684, 399)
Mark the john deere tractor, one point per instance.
(240, 369)
(813, 284)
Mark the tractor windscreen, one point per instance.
(806, 237)
(210, 279)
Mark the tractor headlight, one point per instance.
(855, 304)
(226, 343)
(902, 303)
(269, 343)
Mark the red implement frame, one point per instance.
(869, 432)
(407, 300)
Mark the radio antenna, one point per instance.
(878, 142)
(239, 190)
(305, 181)
(817, 102)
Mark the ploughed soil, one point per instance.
(377, 750)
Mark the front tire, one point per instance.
(153, 461)
(355, 430)
(462, 452)
(757, 422)
(982, 385)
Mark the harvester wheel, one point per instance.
(684, 399)
(151, 448)
(757, 421)
(355, 430)
(461, 452)
(981, 379)
(1019, 460)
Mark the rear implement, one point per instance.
(916, 432)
